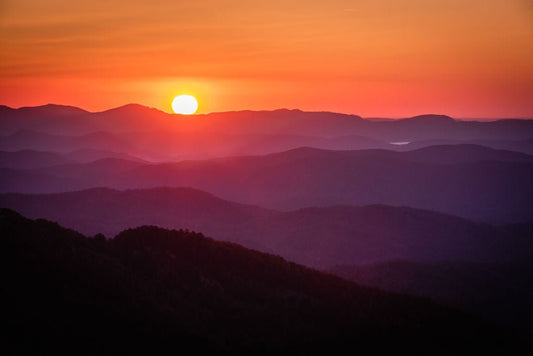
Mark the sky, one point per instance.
(374, 58)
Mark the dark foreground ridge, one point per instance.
(151, 290)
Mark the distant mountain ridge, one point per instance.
(521, 145)
(318, 237)
(431, 118)
(158, 146)
(55, 109)
(138, 118)
(153, 135)
(473, 182)
(31, 159)
(27, 159)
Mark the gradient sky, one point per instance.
(394, 58)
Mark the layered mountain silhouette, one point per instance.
(524, 146)
(470, 181)
(175, 146)
(28, 159)
(429, 206)
(154, 135)
(137, 118)
(41, 141)
(151, 290)
(317, 237)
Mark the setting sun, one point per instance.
(185, 104)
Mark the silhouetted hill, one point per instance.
(282, 121)
(153, 290)
(35, 140)
(327, 236)
(130, 109)
(435, 154)
(33, 182)
(48, 110)
(89, 155)
(524, 146)
(429, 118)
(30, 159)
(483, 190)
(317, 237)
(462, 153)
(49, 118)
(107, 211)
(26, 159)
(498, 292)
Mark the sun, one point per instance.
(185, 104)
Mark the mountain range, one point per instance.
(427, 206)
(155, 135)
(470, 181)
(317, 237)
(137, 118)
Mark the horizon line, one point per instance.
(374, 117)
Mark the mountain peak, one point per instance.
(55, 109)
(430, 118)
(132, 108)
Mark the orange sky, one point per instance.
(465, 58)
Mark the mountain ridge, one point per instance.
(317, 236)
(495, 189)
(143, 107)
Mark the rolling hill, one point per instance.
(318, 237)
(151, 290)
(524, 146)
(27, 159)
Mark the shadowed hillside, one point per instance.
(150, 290)
(499, 292)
